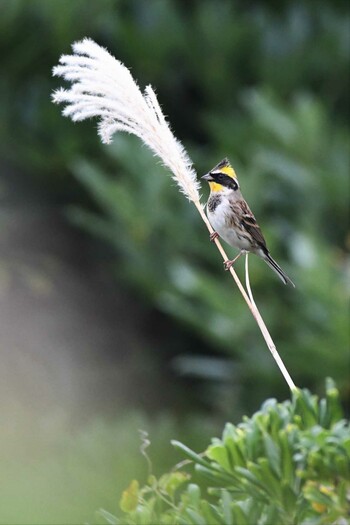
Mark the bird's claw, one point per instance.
(228, 264)
(213, 236)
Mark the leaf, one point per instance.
(129, 499)
(211, 513)
(273, 453)
(196, 518)
(305, 407)
(236, 457)
(239, 516)
(216, 476)
(194, 493)
(252, 478)
(315, 495)
(171, 482)
(253, 443)
(271, 484)
(289, 500)
(287, 463)
(110, 519)
(324, 419)
(219, 454)
(226, 507)
(334, 410)
(190, 454)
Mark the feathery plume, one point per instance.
(103, 87)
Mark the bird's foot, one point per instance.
(213, 236)
(229, 263)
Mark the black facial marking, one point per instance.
(225, 180)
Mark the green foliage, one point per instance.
(287, 464)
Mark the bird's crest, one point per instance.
(224, 166)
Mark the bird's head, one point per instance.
(222, 176)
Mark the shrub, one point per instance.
(287, 464)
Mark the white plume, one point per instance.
(103, 87)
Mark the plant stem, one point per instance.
(251, 304)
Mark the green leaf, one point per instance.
(342, 466)
(272, 515)
(315, 495)
(229, 432)
(215, 476)
(171, 482)
(130, 497)
(272, 485)
(273, 453)
(253, 443)
(211, 513)
(289, 499)
(324, 419)
(239, 516)
(236, 458)
(334, 410)
(194, 493)
(249, 476)
(219, 454)
(191, 455)
(287, 464)
(110, 519)
(196, 518)
(305, 407)
(226, 507)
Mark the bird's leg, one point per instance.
(213, 236)
(228, 264)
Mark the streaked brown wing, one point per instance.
(248, 222)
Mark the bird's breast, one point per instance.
(213, 203)
(220, 215)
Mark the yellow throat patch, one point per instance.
(227, 170)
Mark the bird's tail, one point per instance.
(283, 276)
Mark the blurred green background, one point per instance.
(116, 314)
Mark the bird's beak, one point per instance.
(208, 177)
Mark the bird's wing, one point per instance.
(248, 222)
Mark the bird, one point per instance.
(233, 220)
